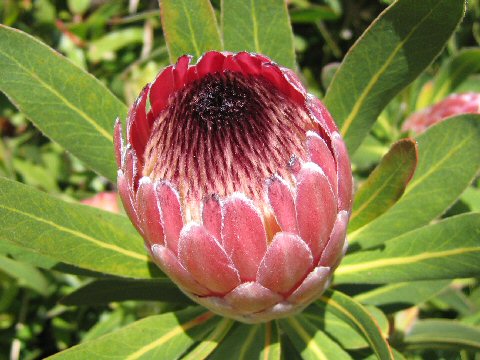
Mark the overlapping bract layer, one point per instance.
(249, 258)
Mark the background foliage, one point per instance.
(70, 274)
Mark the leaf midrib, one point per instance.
(356, 108)
(79, 234)
(92, 122)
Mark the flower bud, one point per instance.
(239, 182)
(455, 104)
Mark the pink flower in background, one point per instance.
(106, 200)
(239, 182)
(455, 104)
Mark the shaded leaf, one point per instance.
(339, 330)
(359, 318)
(25, 274)
(394, 297)
(210, 343)
(260, 26)
(449, 159)
(446, 250)
(68, 105)
(77, 235)
(392, 52)
(164, 336)
(109, 290)
(311, 342)
(385, 184)
(454, 72)
(440, 334)
(260, 341)
(189, 27)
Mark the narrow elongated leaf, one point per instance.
(25, 274)
(210, 343)
(449, 159)
(446, 250)
(109, 290)
(68, 105)
(78, 235)
(436, 333)
(400, 296)
(246, 342)
(454, 72)
(260, 26)
(359, 318)
(311, 342)
(392, 52)
(156, 337)
(189, 27)
(385, 184)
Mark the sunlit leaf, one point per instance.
(260, 26)
(189, 27)
(156, 337)
(311, 342)
(385, 184)
(446, 250)
(25, 274)
(68, 105)
(392, 52)
(244, 342)
(78, 235)
(449, 159)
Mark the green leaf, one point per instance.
(449, 159)
(25, 274)
(189, 27)
(359, 318)
(313, 14)
(400, 296)
(454, 72)
(385, 184)
(260, 26)
(446, 250)
(441, 334)
(68, 105)
(310, 341)
(105, 47)
(78, 235)
(108, 290)
(211, 342)
(244, 342)
(391, 53)
(339, 330)
(164, 336)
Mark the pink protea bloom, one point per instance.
(455, 104)
(239, 182)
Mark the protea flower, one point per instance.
(455, 104)
(239, 182)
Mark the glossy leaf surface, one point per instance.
(392, 52)
(449, 159)
(164, 336)
(68, 105)
(385, 184)
(78, 235)
(446, 250)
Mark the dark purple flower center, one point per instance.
(226, 132)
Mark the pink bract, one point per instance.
(455, 104)
(239, 182)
